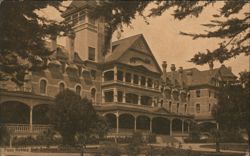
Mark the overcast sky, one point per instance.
(162, 35)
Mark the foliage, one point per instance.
(71, 115)
(111, 149)
(4, 135)
(232, 111)
(151, 138)
(233, 30)
(47, 137)
(134, 145)
(230, 136)
(100, 127)
(25, 141)
(22, 38)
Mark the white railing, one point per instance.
(24, 128)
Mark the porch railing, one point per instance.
(26, 128)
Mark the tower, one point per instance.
(89, 33)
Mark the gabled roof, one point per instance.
(120, 47)
(201, 77)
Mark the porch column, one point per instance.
(103, 97)
(124, 97)
(139, 80)
(117, 122)
(115, 73)
(182, 127)
(103, 76)
(124, 76)
(115, 94)
(170, 128)
(135, 125)
(31, 118)
(139, 99)
(150, 125)
(152, 104)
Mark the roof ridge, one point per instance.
(127, 38)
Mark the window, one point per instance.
(136, 79)
(93, 74)
(198, 108)
(167, 93)
(78, 90)
(128, 77)
(177, 107)
(120, 96)
(146, 100)
(61, 87)
(198, 93)
(183, 97)
(209, 107)
(43, 86)
(132, 98)
(143, 81)
(109, 96)
(93, 94)
(176, 95)
(109, 76)
(119, 75)
(150, 83)
(91, 55)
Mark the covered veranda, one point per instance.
(125, 121)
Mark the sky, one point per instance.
(166, 43)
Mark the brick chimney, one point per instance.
(164, 69)
(70, 45)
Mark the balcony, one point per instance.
(114, 82)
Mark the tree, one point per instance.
(233, 30)
(233, 109)
(22, 37)
(71, 115)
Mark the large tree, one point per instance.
(72, 115)
(22, 37)
(233, 30)
(233, 108)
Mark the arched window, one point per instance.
(93, 94)
(78, 90)
(198, 108)
(43, 86)
(177, 107)
(61, 87)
